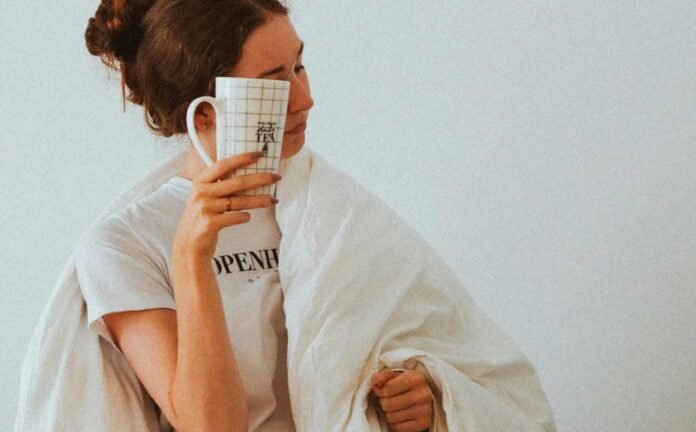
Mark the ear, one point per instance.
(204, 117)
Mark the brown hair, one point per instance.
(170, 51)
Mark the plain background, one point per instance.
(546, 150)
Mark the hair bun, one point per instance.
(126, 43)
(115, 32)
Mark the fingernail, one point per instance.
(275, 201)
(277, 176)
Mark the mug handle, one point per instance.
(190, 125)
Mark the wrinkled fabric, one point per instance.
(364, 291)
(71, 379)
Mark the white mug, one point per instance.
(249, 116)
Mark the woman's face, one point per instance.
(270, 52)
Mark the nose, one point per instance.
(299, 98)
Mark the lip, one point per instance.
(298, 129)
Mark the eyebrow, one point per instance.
(282, 68)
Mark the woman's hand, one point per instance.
(207, 212)
(405, 398)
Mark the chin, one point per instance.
(291, 148)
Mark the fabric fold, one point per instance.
(71, 379)
(363, 291)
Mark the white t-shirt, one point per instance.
(124, 263)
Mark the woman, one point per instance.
(218, 362)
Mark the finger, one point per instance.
(401, 384)
(418, 425)
(222, 220)
(224, 166)
(379, 378)
(241, 203)
(412, 413)
(417, 396)
(239, 183)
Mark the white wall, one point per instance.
(546, 150)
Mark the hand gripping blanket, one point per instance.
(362, 291)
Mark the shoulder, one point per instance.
(143, 227)
(107, 239)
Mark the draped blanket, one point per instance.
(71, 378)
(362, 291)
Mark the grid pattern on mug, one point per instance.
(258, 104)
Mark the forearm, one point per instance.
(207, 391)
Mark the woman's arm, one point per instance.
(184, 359)
(206, 389)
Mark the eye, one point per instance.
(299, 68)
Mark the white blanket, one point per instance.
(362, 291)
(72, 379)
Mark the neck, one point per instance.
(193, 166)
